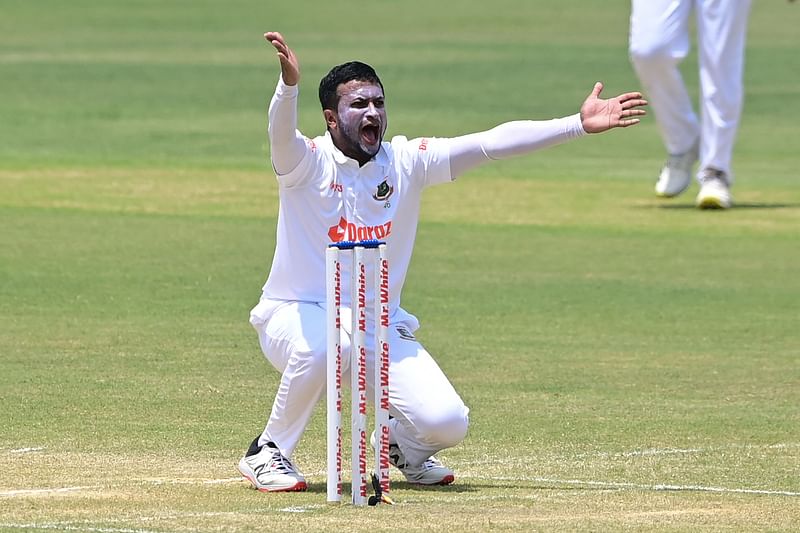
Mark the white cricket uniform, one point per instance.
(327, 197)
(659, 41)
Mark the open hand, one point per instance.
(598, 115)
(290, 68)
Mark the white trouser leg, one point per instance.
(293, 341)
(658, 42)
(428, 413)
(721, 34)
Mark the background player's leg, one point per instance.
(659, 41)
(721, 34)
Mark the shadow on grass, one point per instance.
(401, 485)
(692, 207)
(457, 488)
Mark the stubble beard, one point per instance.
(356, 148)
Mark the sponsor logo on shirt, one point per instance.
(423, 144)
(347, 231)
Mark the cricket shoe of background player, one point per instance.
(268, 470)
(676, 175)
(431, 472)
(715, 190)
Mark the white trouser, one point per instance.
(429, 415)
(659, 41)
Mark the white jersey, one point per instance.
(327, 197)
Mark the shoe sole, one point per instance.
(712, 203)
(673, 195)
(446, 480)
(665, 194)
(300, 486)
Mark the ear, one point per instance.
(330, 118)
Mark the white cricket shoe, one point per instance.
(715, 191)
(431, 472)
(269, 471)
(676, 175)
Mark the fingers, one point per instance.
(276, 39)
(272, 36)
(278, 42)
(598, 88)
(629, 96)
(629, 102)
(633, 103)
(627, 122)
(633, 113)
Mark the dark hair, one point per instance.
(353, 70)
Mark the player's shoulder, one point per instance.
(321, 148)
(320, 143)
(401, 143)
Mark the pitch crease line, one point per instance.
(62, 527)
(33, 492)
(685, 451)
(657, 487)
(27, 450)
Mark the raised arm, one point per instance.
(525, 136)
(287, 145)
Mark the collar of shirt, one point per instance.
(380, 159)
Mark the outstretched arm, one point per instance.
(525, 136)
(287, 145)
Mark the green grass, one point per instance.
(609, 345)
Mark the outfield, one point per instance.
(630, 363)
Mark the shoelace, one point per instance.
(281, 463)
(712, 174)
(431, 462)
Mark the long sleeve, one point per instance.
(510, 139)
(287, 144)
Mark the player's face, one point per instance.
(359, 123)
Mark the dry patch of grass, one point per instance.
(148, 492)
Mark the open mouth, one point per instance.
(370, 134)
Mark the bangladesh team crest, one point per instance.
(383, 192)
